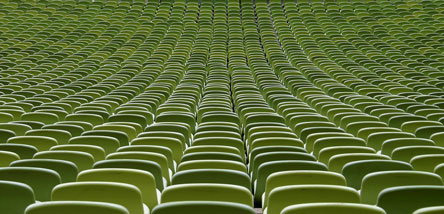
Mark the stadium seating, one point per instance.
(221, 106)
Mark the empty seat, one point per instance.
(332, 208)
(143, 180)
(407, 199)
(374, 183)
(202, 207)
(207, 192)
(74, 207)
(430, 210)
(15, 197)
(122, 194)
(221, 176)
(42, 181)
(282, 197)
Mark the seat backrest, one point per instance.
(203, 207)
(75, 207)
(66, 169)
(355, 171)
(407, 199)
(332, 208)
(123, 194)
(143, 180)
(374, 183)
(42, 181)
(282, 197)
(148, 166)
(207, 192)
(301, 177)
(222, 176)
(15, 196)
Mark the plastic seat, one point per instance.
(24, 151)
(216, 134)
(42, 181)
(413, 126)
(174, 144)
(275, 141)
(390, 145)
(66, 170)
(7, 157)
(6, 117)
(15, 196)
(93, 119)
(282, 197)
(5, 135)
(141, 120)
(355, 171)
(86, 126)
(212, 164)
(438, 138)
(376, 140)
(42, 143)
(335, 141)
(74, 207)
(122, 137)
(130, 131)
(44, 117)
(300, 177)
(223, 141)
(410, 198)
(430, 210)
(326, 153)
(18, 129)
(311, 139)
(143, 180)
(202, 207)
(374, 183)
(82, 160)
(428, 131)
(276, 156)
(177, 135)
(337, 162)
(221, 176)
(212, 156)
(95, 151)
(266, 169)
(108, 144)
(74, 130)
(406, 153)
(61, 136)
(210, 148)
(332, 208)
(207, 192)
(122, 194)
(427, 162)
(172, 128)
(165, 151)
(148, 156)
(148, 166)
(177, 117)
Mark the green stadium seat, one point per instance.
(374, 183)
(72, 207)
(202, 207)
(67, 170)
(42, 181)
(16, 196)
(207, 192)
(143, 180)
(122, 194)
(416, 196)
(333, 208)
